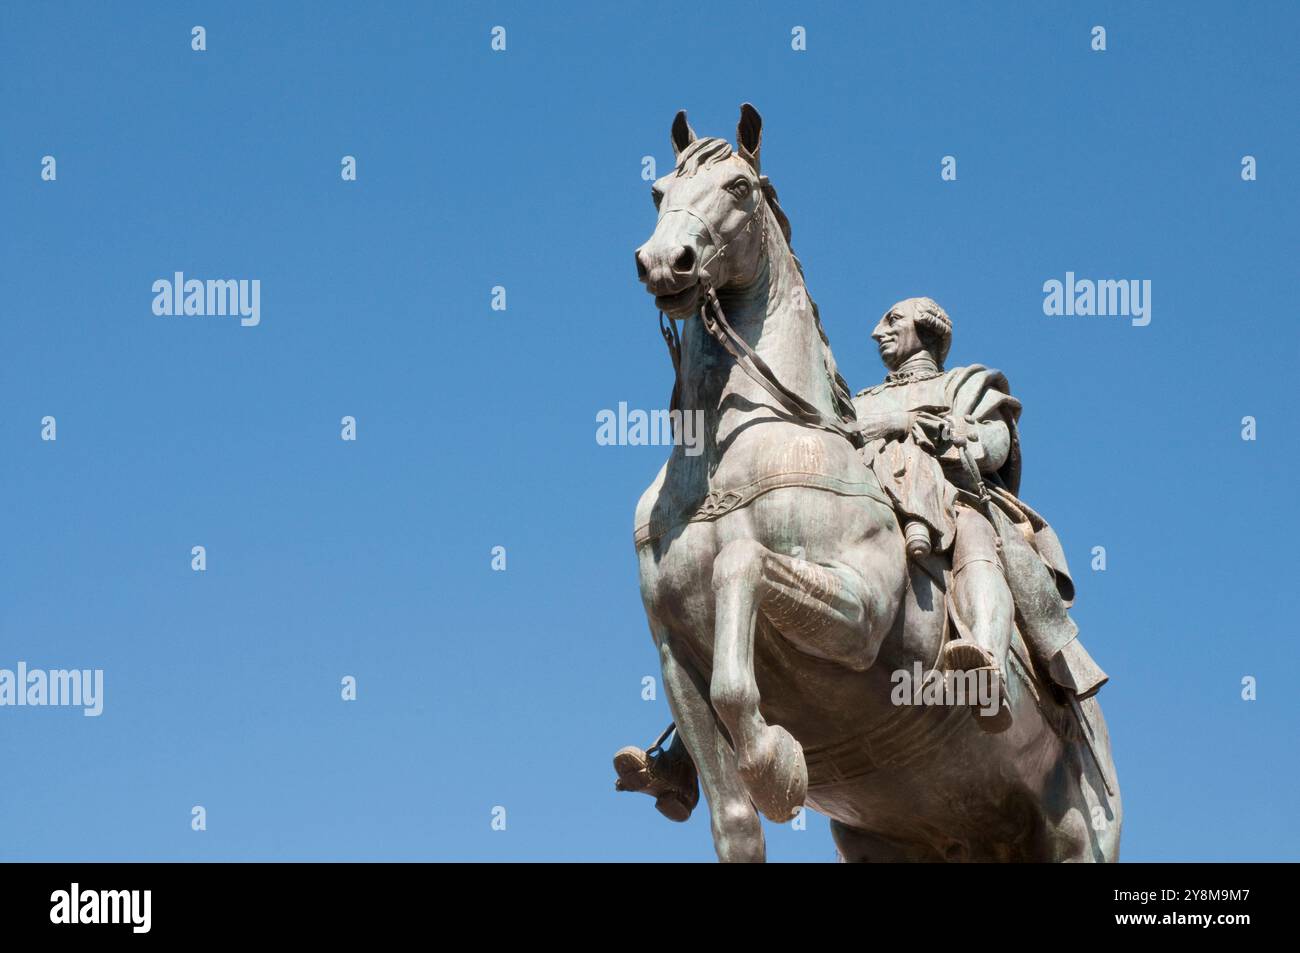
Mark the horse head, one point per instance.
(710, 231)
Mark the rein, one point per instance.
(717, 503)
(747, 359)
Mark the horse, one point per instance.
(778, 591)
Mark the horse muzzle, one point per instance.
(672, 274)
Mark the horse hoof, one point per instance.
(777, 776)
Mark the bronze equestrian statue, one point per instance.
(853, 609)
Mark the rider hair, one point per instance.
(934, 328)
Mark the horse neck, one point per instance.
(774, 315)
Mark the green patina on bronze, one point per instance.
(821, 548)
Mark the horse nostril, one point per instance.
(641, 270)
(685, 260)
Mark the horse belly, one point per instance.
(954, 811)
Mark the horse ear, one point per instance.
(749, 134)
(683, 134)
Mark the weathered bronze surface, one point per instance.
(811, 576)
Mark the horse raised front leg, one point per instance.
(737, 833)
(829, 611)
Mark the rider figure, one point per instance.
(945, 448)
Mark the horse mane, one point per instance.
(701, 154)
(710, 150)
(840, 393)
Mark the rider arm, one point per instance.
(989, 442)
(983, 409)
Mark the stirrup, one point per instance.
(964, 655)
(671, 782)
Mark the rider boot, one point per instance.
(982, 601)
(667, 775)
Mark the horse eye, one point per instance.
(740, 188)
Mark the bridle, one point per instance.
(720, 329)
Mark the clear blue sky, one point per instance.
(477, 428)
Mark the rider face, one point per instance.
(897, 336)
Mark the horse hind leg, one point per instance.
(1089, 830)
(825, 610)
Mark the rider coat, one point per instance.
(927, 484)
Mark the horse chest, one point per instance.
(677, 580)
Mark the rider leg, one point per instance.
(983, 600)
(982, 603)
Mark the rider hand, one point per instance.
(888, 426)
(928, 428)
